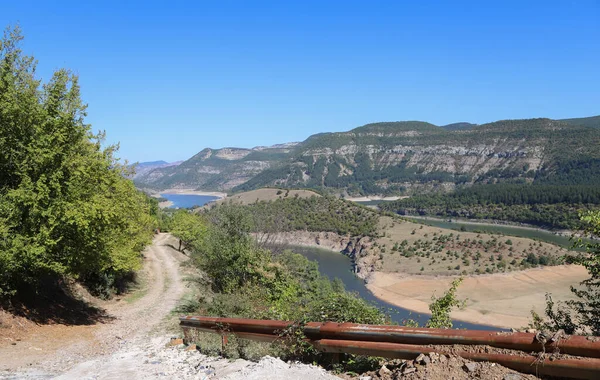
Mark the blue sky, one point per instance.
(168, 78)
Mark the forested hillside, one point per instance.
(314, 213)
(67, 210)
(550, 206)
(396, 158)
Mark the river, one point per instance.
(524, 232)
(336, 265)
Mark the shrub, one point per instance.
(441, 307)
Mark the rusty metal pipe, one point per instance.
(572, 368)
(268, 338)
(573, 345)
(236, 324)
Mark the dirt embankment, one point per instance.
(56, 347)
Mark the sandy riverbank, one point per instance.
(193, 192)
(503, 299)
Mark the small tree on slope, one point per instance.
(581, 315)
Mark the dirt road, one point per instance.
(57, 347)
(131, 344)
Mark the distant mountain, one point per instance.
(151, 163)
(216, 169)
(395, 157)
(142, 168)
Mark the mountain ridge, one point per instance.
(395, 157)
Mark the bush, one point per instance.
(581, 315)
(441, 307)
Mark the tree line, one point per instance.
(552, 206)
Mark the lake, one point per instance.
(188, 200)
(336, 265)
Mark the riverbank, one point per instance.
(502, 299)
(561, 238)
(334, 264)
(493, 223)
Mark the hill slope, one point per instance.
(396, 157)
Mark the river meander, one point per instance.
(336, 265)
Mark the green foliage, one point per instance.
(245, 280)
(441, 307)
(187, 227)
(587, 306)
(228, 254)
(553, 206)
(345, 307)
(582, 314)
(66, 207)
(324, 213)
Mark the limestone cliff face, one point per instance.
(417, 156)
(359, 250)
(388, 157)
(215, 169)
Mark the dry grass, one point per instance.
(438, 251)
(267, 195)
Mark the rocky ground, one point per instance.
(443, 367)
(130, 342)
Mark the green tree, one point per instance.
(66, 207)
(228, 254)
(587, 306)
(189, 228)
(580, 315)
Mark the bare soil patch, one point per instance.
(503, 299)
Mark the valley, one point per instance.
(398, 158)
(404, 262)
(299, 190)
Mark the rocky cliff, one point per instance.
(359, 250)
(396, 157)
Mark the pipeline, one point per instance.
(407, 343)
(572, 345)
(571, 368)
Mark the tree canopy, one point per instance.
(66, 207)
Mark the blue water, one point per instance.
(336, 265)
(187, 200)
